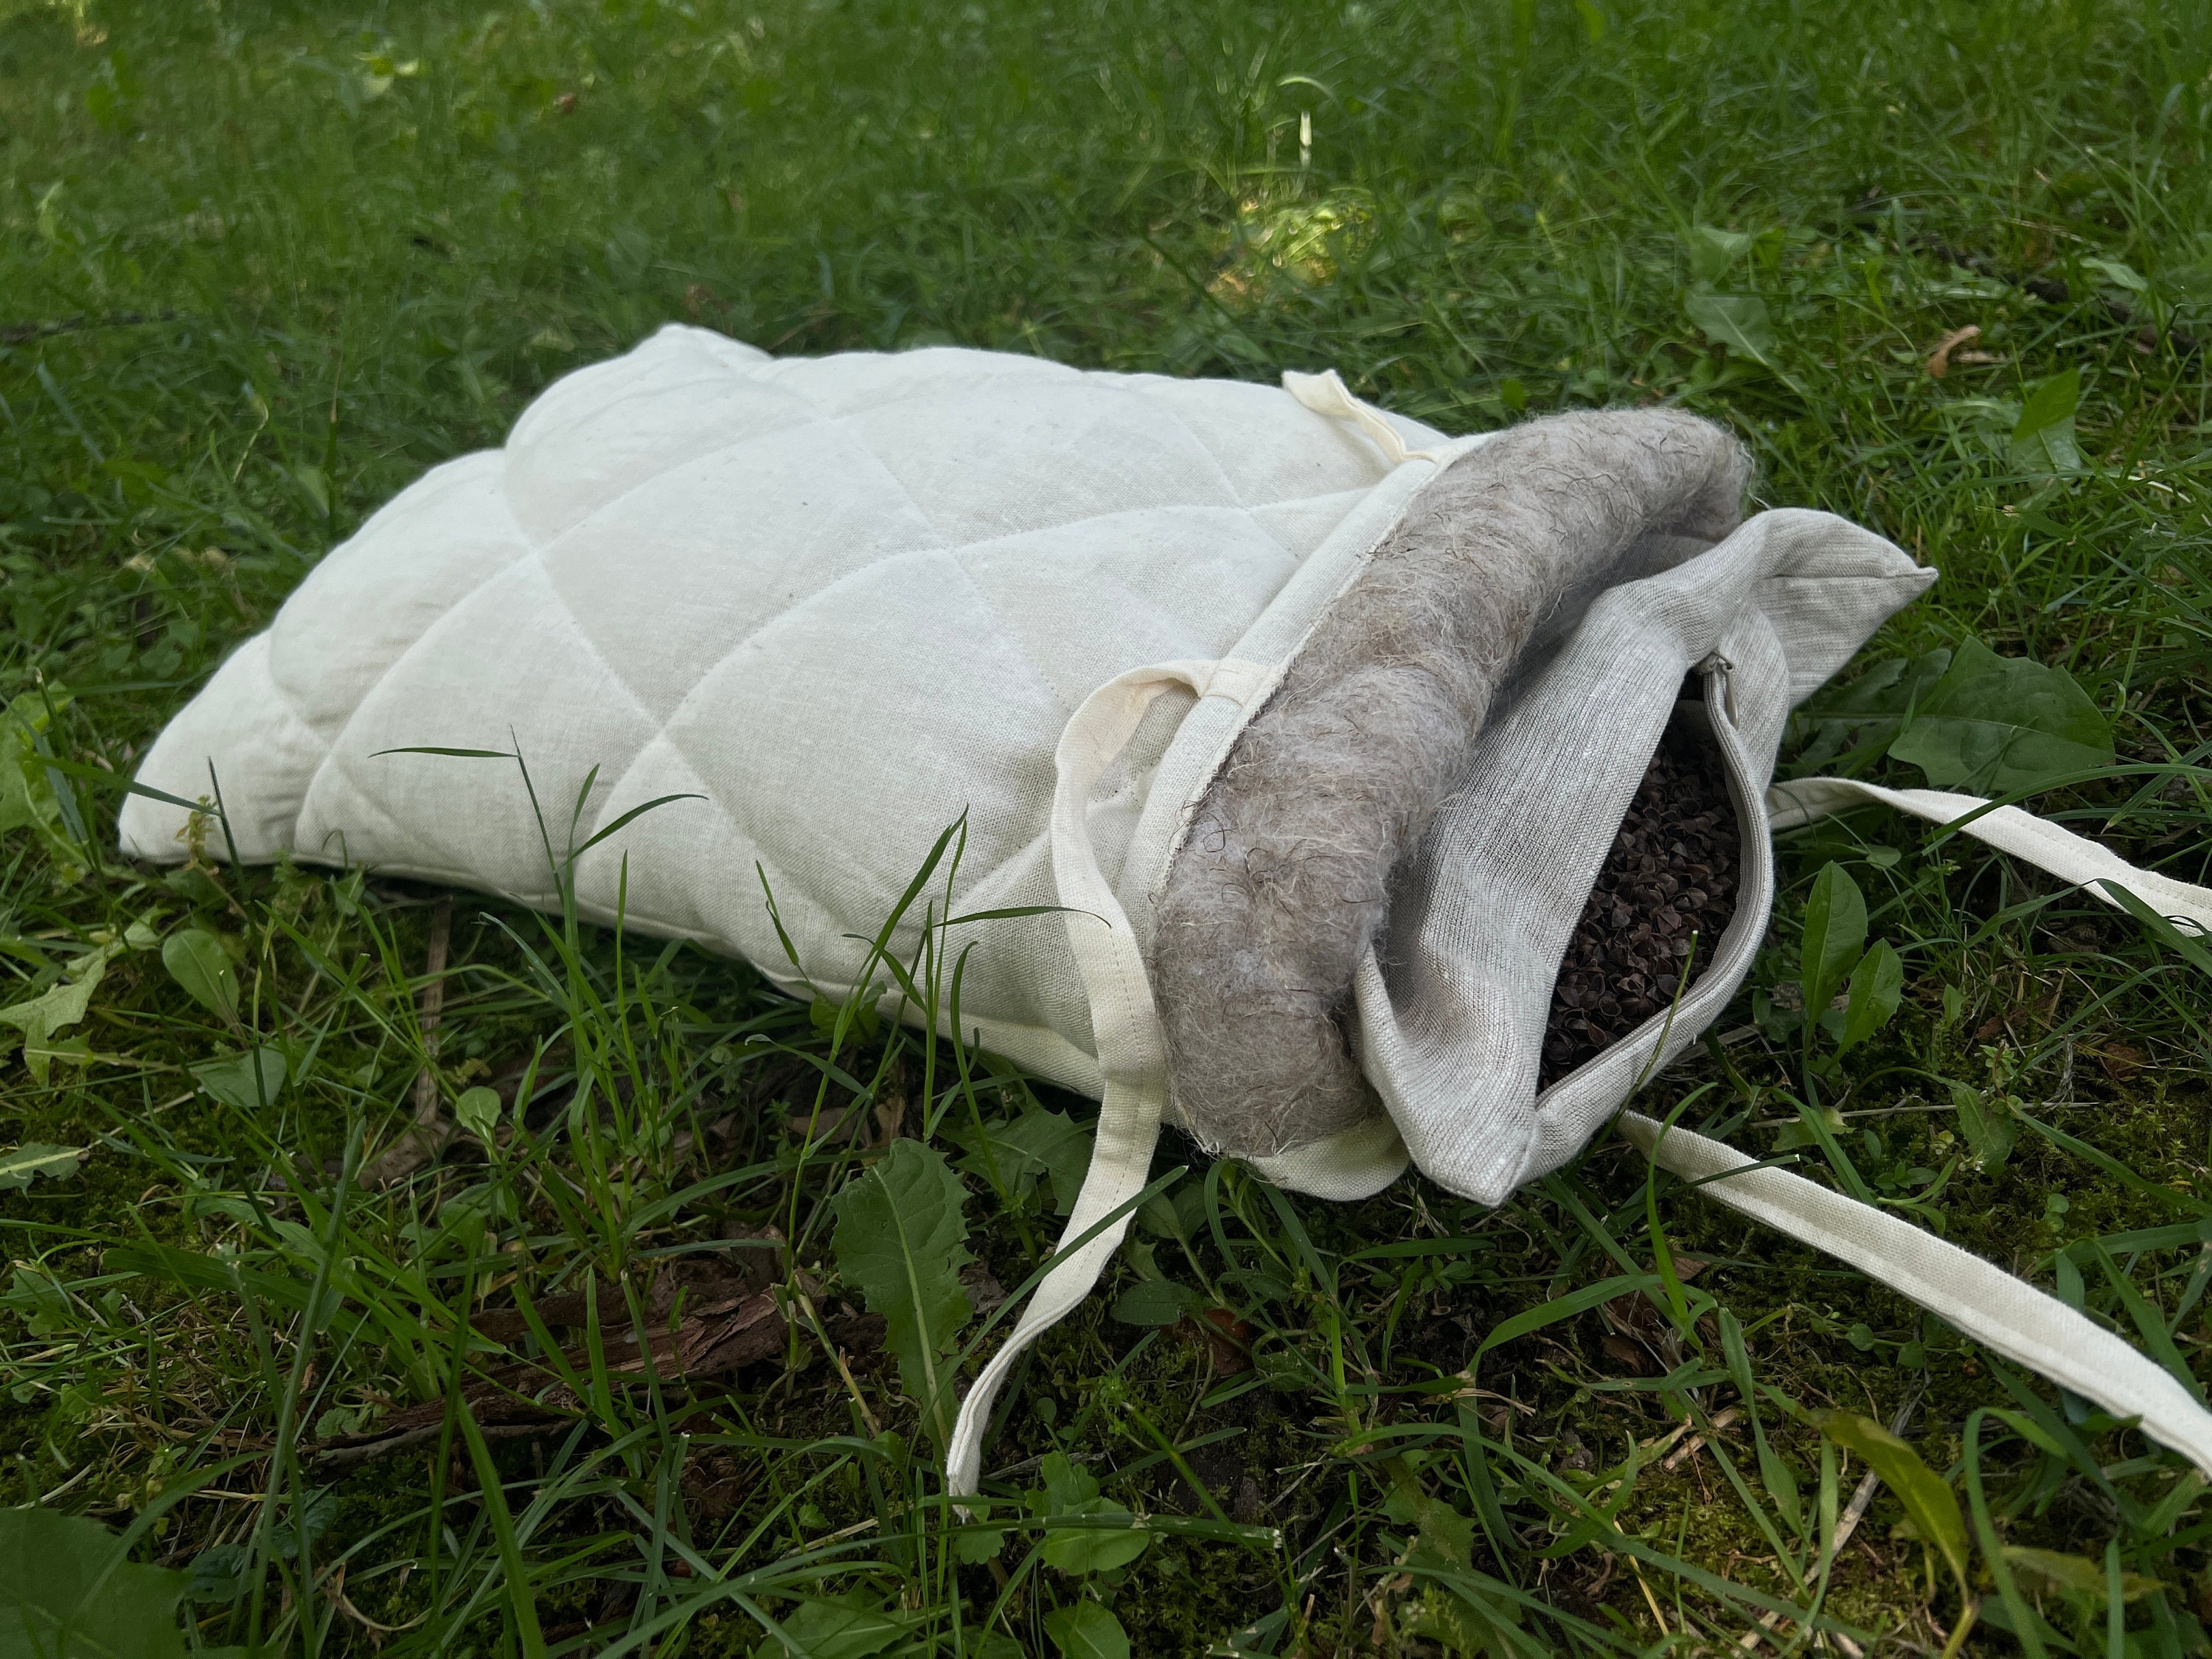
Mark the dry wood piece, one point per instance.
(1672, 872)
(700, 1325)
(422, 1138)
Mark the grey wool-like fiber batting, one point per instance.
(1282, 881)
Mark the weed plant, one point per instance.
(369, 1247)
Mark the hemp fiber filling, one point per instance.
(1283, 880)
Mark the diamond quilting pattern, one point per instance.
(752, 530)
(1064, 451)
(845, 599)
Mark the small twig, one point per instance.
(837, 1358)
(339, 1457)
(429, 1131)
(334, 1591)
(1697, 1442)
(1939, 360)
(17, 333)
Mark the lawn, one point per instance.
(346, 1390)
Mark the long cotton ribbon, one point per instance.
(2004, 1314)
(1999, 1311)
(1325, 393)
(1125, 1023)
(2088, 863)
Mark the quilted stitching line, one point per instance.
(1164, 407)
(791, 383)
(741, 833)
(533, 550)
(600, 408)
(334, 758)
(662, 731)
(655, 476)
(951, 550)
(1007, 633)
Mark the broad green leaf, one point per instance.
(1155, 1302)
(1780, 1480)
(322, 1510)
(1087, 1631)
(2077, 1574)
(902, 1241)
(65, 1593)
(197, 961)
(1835, 936)
(215, 1574)
(1872, 709)
(1444, 1537)
(247, 1082)
(852, 1626)
(28, 796)
(2119, 275)
(1061, 1146)
(977, 1540)
(41, 1301)
(1713, 253)
(1039, 1144)
(1178, 1213)
(1985, 1120)
(63, 1002)
(21, 1165)
(1738, 321)
(2043, 442)
(1877, 986)
(1067, 1485)
(1114, 1540)
(1994, 724)
(477, 1111)
(1933, 1506)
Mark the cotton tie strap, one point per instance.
(1996, 1310)
(2004, 1314)
(1131, 1046)
(1325, 393)
(2073, 858)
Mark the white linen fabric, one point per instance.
(847, 601)
(1452, 1014)
(865, 589)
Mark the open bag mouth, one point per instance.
(1665, 894)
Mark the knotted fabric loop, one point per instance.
(1125, 1023)
(1325, 393)
(2087, 863)
(2005, 1314)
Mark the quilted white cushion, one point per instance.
(865, 589)
(847, 601)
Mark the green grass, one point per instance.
(260, 264)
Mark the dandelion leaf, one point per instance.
(901, 1242)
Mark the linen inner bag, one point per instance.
(1317, 724)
